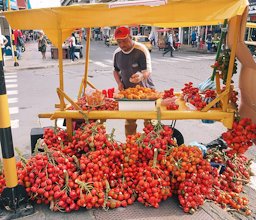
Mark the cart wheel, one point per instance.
(178, 136)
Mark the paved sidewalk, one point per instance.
(32, 59)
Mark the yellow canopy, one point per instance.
(176, 13)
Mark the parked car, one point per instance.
(144, 40)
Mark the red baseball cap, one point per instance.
(122, 33)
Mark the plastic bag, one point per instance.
(168, 101)
(94, 97)
(217, 143)
(200, 146)
(191, 107)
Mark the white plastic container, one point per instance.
(137, 105)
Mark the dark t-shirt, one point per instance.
(138, 59)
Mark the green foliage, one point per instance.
(222, 64)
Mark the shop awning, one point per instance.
(176, 13)
(251, 25)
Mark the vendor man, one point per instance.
(132, 66)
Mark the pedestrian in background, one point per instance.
(106, 40)
(3, 42)
(152, 38)
(193, 39)
(72, 47)
(161, 41)
(209, 42)
(42, 44)
(18, 41)
(169, 45)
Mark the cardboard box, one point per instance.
(137, 105)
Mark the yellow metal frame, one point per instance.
(225, 114)
(85, 81)
(218, 115)
(57, 26)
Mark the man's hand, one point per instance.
(137, 77)
(120, 86)
(118, 80)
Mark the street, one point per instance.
(35, 89)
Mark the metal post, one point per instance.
(61, 76)
(86, 64)
(14, 197)
(237, 21)
(87, 53)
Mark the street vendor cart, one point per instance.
(58, 25)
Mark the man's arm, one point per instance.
(145, 63)
(139, 76)
(118, 80)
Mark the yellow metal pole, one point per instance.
(165, 115)
(86, 65)
(61, 78)
(231, 61)
(6, 134)
(60, 92)
(69, 123)
(220, 97)
(80, 88)
(88, 41)
(217, 80)
(13, 195)
(90, 84)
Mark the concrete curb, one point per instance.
(34, 67)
